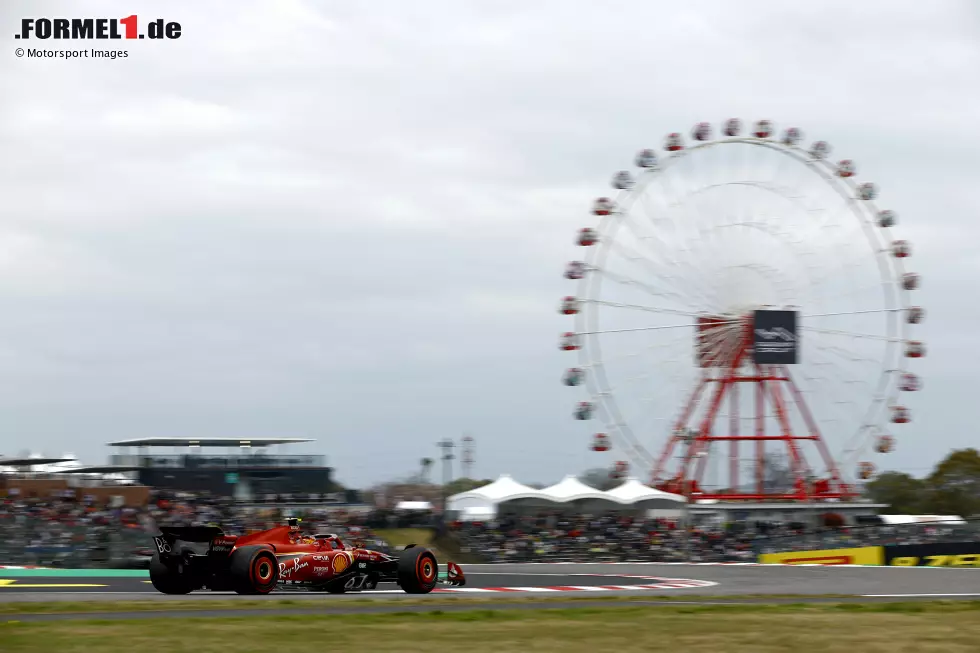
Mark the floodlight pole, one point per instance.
(447, 446)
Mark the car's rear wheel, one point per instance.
(418, 571)
(253, 570)
(167, 577)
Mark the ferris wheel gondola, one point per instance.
(698, 246)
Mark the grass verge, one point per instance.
(398, 537)
(95, 607)
(950, 627)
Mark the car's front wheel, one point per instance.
(418, 571)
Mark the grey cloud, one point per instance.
(349, 221)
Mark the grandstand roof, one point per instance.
(30, 462)
(101, 469)
(206, 442)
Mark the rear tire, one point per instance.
(253, 570)
(418, 571)
(167, 579)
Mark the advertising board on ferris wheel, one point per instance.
(774, 337)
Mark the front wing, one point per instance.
(368, 578)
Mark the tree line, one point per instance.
(953, 488)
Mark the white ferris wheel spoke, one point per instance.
(849, 334)
(840, 313)
(663, 252)
(631, 256)
(642, 307)
(686, 325)
(627, 280)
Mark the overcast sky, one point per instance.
(348, 220)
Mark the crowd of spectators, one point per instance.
(562, 538)
(62, 530)
(60, 527)
(878, 535)
(580, 538)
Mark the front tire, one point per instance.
(254, 570)
(167, 579)
(418, 571)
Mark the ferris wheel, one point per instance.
(743, 297)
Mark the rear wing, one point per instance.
(167, 540)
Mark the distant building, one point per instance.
(246, 473)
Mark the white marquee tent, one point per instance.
(634, 492)
(572, 489)
(580, 496)
(483, 502)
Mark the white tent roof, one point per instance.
(413, 505)
(569, 489)
(503, 489)
(632, 491)
(572, 489)
(506, 488)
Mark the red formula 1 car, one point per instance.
(202, 557)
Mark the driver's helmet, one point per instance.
(300, 538)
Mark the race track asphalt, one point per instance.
(507, 581)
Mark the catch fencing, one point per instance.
(28, 542)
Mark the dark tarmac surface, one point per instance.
(533, 580)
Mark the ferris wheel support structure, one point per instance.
(767, 380)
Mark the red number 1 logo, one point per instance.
(130, 23)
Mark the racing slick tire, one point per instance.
(167, 579)
(418, 572)
(253, 570)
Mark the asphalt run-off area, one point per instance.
(508, 581)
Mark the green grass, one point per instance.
(403, 536)
(149, 605)
(399, 537)
(950, 627)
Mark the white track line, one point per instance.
(911, 596)
(693, 564)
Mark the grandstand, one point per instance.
(246, 473)
(37, 475)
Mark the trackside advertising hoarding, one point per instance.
(943, 554)
(868, 555)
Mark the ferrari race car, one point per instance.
(188, 558)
